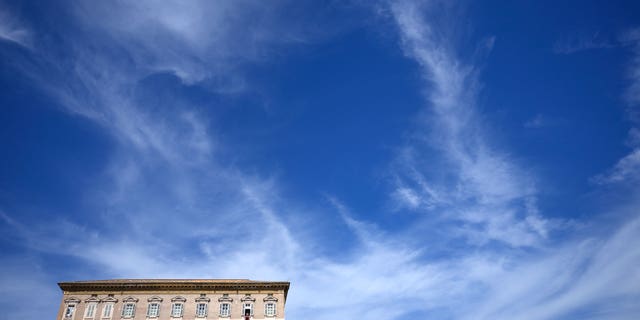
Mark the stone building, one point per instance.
(202, 299)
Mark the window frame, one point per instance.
(156, 309)
(107, 306)
(178, 300)
(108, 303)
(72, 303)
(202, 300)
(173, 308)
(248, 300)
(270, 300)
(72, 307)
(126, 302)
(228, 313)
(205, 309)
(266, 309)
(244, 307)
(125, 308)
(225, 299)
(90, 307)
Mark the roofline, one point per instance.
(173, 284)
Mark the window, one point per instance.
(247, 310)
(247, 305)
(176, 310)
(128, 310)
(68, 313)
(225, 309)
(177, 306)
(91, 310)
(225, 305)
(201, 310)
(129, 307)
(270, 303)
(107, 310)
(270, 309)
(153, 310)
(108, 306)
(201, 305)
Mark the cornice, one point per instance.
(169, 285)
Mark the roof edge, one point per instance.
(172, 284)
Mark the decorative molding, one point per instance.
(248, 297)
(225, 299)
(203, 299)
(270, 298)
(130, 299)
(172, 285)
(109, 299)
(154, 299)
(92, 299)
(72, 300)
(178, 299)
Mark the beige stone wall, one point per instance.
(189, 312)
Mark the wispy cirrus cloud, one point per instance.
(627, 169)
(12, 29)
(592, 278)
(167, 198)
(451, 170)
(169, 205)
(485, 190)
(164, 186)
(582, 41)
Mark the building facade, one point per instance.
(136, 299)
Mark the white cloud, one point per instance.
(196, 40)
(627, 169)
(23, 279)
(486, 190)
(538, 121)
(632, 94)
(172, 208)
(582, 42)
(581, 277)
(13, 30)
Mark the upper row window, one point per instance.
(176, 310)
(153, 310)
(71, 308)
(177, 307)
(91, 310)
(225, 309)
(270, 309)
(128, 310)
(201, 310)
(107, 310)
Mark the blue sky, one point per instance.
(433, 159)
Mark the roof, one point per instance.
(172, 284)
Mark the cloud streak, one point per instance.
(582, 42)
(170, 205)
(13, 30)
(627, 169)
(490, 195)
